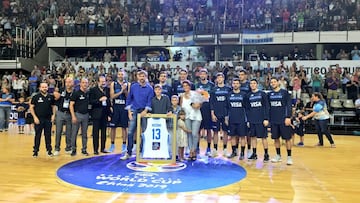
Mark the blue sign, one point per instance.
(109, 173)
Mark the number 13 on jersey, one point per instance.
(156, 133)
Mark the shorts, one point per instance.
(299, 130)
(220, 123)
(206, 122)
(258, 130)
(119, 118)
(29, 119)
(280, 130)
(238, 129)
(21, 121)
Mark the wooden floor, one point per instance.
(318, 175)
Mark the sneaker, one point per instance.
(35, 155)
(300, 144)
(249, 153)
(112, 148)
(96, 153)
(266, 158)
(85, 153)
(73, 153)
(125, 157)
(333, 146)
(134, 148)
(253, 157)
(225, 153)
(214, 153)
(289, 161)
(232, 155)
(50, 154)
(104, 151)
(319, 145)
(277, 158)
(208, 152)
(123, 148)
(68, 151)
(242, 156)
(56, 153)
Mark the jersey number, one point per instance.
(156, 133)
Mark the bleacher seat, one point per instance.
(349, 104)
(335, 103)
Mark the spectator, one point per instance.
(355, 53)
(7, 98)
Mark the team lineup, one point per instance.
(242, 112)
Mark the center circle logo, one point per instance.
(109, 173)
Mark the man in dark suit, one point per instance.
(100, 101)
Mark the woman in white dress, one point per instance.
(190, 102)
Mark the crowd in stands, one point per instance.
(136, 17)
(292, 78)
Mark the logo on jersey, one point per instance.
(255, 104)
(275, 103)
(236, 104)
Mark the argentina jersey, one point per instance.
(280, 106)
(245, 87)
(121, 99)
(166, 90)
(237, 107)
(218, 100)
(258, 107)
(156, 138)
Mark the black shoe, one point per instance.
(85, 153)
(104, 151)
(232, 155)
(50, 154)
(35, 155)
(253, 157)
(73, 153)
(242, 156)
(96, 153)
(266, 158)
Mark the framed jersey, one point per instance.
(158, 141)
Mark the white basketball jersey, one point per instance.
(155, 139)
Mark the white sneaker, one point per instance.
(225, 153)
(56, 153)
(277, 158)
(134, 149)
(214, 153)
(125, 157)
(289, 160)
(249, 153)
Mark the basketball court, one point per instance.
(319, 174)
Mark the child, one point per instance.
(21, 108)
(182, 132)
(175, 104)
(298, 128)
(29, 120)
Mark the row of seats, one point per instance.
(338, 103)
(342, 102)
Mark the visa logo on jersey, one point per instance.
(255, 104)
(236, 104)
(275, 103)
